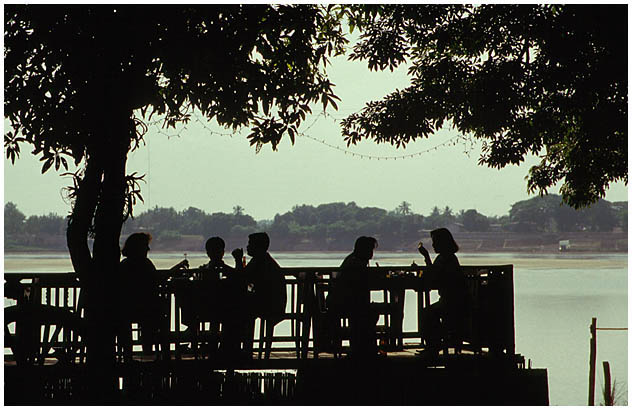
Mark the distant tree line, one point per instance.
(169, 225)
(332, 226)
(34, 232)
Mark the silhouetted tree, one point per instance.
(81, 80)
(548, 80)
(191, 221)
(447, 216)
(403, 208)
(535, 213)
(13, 219)
(599, 217)
(474, 222)
(621, 211)
(550, 214)
(50, 224)
(434, 220)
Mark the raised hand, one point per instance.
(425, 254)
(238, 254)
(423, 250)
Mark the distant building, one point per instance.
(496, 228)
(565, 245)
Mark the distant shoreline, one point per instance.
(469, 242)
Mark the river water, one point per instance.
(555, 297)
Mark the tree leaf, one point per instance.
(47, 164)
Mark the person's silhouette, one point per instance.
(350, 296)
(215, 268)
(445, 275)
(268, 294)
(205, 298)
(139, 297)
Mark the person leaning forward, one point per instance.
(351, 297)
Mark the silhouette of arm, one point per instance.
(183, 264)
(238, 255)
(424, 252)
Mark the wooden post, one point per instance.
(593, 359)
(420, 306)
(607, 396)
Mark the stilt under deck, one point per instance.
(400, 378)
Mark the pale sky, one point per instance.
(198, 167)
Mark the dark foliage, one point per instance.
(81, 81)
(549, 80)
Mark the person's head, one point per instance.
(136, 245)
(443, 242)
(364, 247)
(258, 243)
(215, 248)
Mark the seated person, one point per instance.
(445, 275)
(215, 269)
(350, 297)
(209, 296)
(268, 296)
(200, 298)
(139, 295)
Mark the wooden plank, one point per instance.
(607, 389)
(593, 359)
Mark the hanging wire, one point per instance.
(451, 141)
(196, 118)
(148, 173)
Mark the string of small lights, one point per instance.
(204, 123)
(451, 141)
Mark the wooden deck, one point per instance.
(399, 378)
(296, 373)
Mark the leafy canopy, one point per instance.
(549, 80)
(242, 65)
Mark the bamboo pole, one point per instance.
(607, 396)
(593, 359)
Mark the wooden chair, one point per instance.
(204, 322)
(266, 333)
(331, 328)
(481, 307)
(32, 342)
(128, 335)
(392, 310)
(302, 304)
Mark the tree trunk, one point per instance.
(81, 219)
(101, 201)
(108, 221)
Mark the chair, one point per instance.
(392, 309)
(302, 304)
(126, 331)
(330, 326)
(266, 333)
(31, 344)
(200, 305)
(467, 334)
(128, 336)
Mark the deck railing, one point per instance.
(491, 315)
